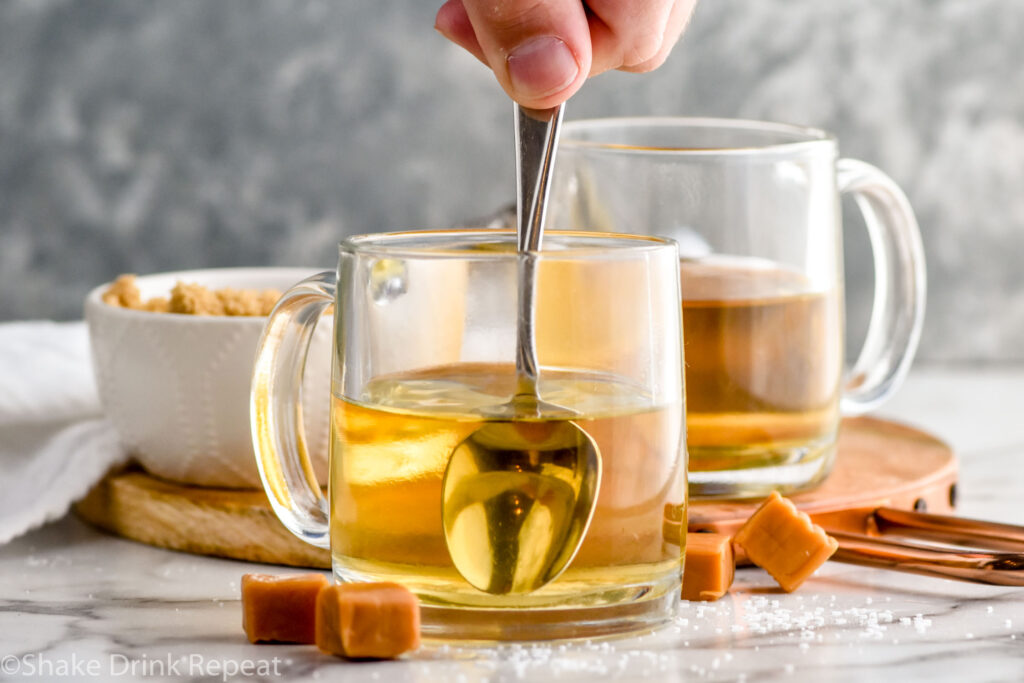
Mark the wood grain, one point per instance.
(878, 463)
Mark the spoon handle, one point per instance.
(536, 143)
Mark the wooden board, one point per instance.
(878, 463)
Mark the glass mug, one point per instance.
(424, 369)
(755, 208)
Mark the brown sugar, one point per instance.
(195, 299)
(280, 609)
(157, 304)
(192, 299)
(367, 620)
(247, 301)
(123, 292)
(709, 567)
(784, 542)
(267, 299)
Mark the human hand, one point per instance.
(541, 51)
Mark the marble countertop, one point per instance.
(76, 604)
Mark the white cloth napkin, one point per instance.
(54, 443)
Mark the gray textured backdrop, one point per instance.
(144, 136)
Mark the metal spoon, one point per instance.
(519, 492)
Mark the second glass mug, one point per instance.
(755, 208)
(424, 363)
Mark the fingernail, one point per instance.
(541, 66)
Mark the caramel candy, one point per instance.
(280, 609)
(784, 542)
(367, 620)
(709, 568)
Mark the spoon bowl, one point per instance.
(518, 497)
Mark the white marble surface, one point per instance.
(76, 604)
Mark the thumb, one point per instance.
(539, 50)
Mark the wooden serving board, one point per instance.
(878, 463)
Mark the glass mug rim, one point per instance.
(802, 138)
(586, 244)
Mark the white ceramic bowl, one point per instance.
(176, 387)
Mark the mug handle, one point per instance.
(275, 409)
(898, 309)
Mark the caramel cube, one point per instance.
(280, 609)
(367, 620)
(784, 542)
(709, 567)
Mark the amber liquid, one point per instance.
(763, 358)
(390, 449)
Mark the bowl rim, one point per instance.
(94, 300)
